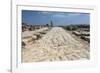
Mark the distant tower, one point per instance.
(51, 24)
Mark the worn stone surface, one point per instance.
(56, 45)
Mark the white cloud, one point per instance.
(45, 12)
(66, 14)
(59, 15)
(73, 14)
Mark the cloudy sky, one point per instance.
(58, 18)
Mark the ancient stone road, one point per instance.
(56, 45)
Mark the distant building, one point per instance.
(26, 27)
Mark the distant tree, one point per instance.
(75, 27)
(71, 27)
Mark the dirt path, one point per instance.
(56, 45)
